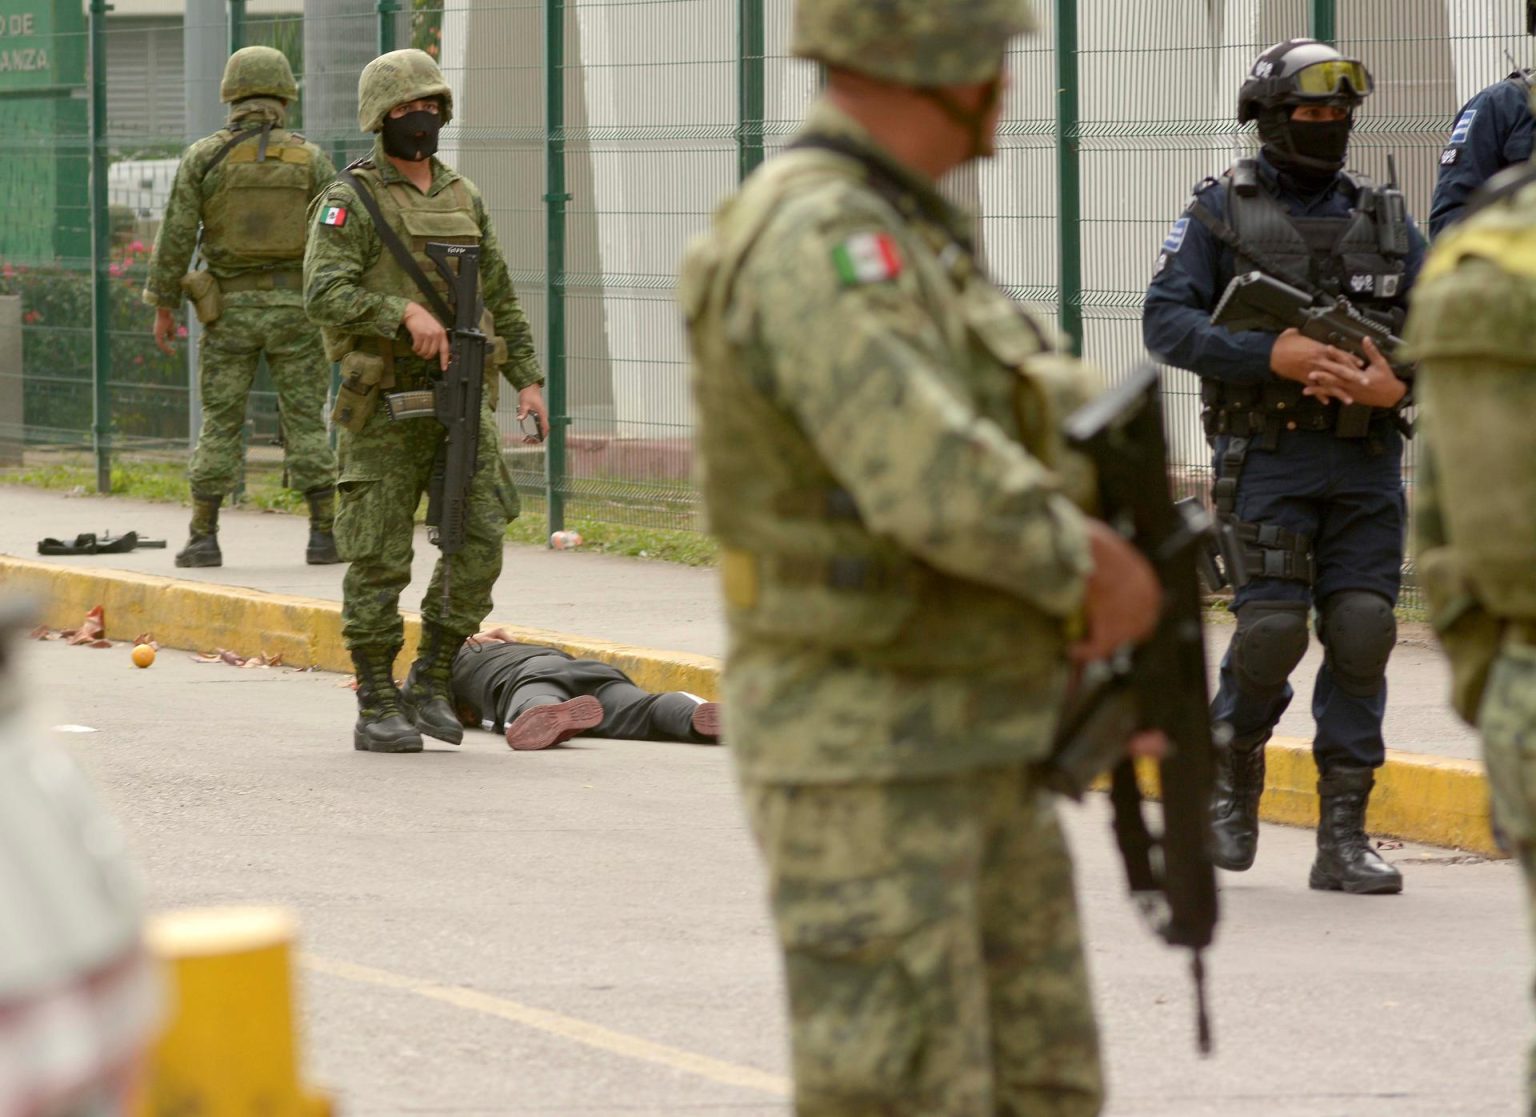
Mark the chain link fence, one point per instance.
(602, 133)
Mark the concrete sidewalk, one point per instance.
(622, 609)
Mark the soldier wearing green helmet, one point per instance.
(1475, 487)
(238, 205)
(907, 572)
(366, 280)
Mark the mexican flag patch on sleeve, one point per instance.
(867, 258)
(334, 215)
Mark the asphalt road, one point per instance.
(582, 931)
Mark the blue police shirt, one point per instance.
(1193, 271)
(1494, 130)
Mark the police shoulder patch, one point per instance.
(867, 258)
(1451, 156)
(1175, 238)
(1463, 127)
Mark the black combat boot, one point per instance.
(202, 548)
(428, 693)
(1235, 804)
(381, 722)
(1345, 860)
(322, 518)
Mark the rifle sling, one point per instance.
(1228, 236)
(397, 248)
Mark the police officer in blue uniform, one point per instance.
(1308, 444)
(1494, 130)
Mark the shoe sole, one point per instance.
(1369, 888)
(189, 563)
(399, 745)
(543, 726)
(322, 560)
(706, 720)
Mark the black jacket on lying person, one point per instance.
(495, 683)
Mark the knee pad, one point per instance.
(1271, 639)
(1358, 630)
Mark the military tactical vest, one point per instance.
(447, 217)
(1340, 255)
(256, 212)
(800, 566)
(1471, 331)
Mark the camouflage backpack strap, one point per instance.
(396, 246)
(235, 141)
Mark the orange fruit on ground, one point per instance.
(143, 655)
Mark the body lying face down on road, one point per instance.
(539, 696)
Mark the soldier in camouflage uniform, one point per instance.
(374, 321)
(1475, 493)
(245, 191)
(905, 564)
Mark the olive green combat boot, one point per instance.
(202, 548)
(1345, 860)
(322, 519)
(428, 693)
(381, 722)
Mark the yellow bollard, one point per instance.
(231, 1047)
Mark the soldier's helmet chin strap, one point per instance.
(974, 121)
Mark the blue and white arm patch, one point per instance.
(1175, 238)
(1463, 127)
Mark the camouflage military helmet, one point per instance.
(911, 42)
(395, 78)
(257, 72)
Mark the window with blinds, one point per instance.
(145, 84)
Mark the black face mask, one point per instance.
(1310, 152)
(412, 136)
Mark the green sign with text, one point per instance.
(42, 44)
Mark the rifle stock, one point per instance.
(1160, 685)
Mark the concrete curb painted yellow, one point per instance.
(1434, 800)
(305, 631)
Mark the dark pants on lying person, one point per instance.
(497, 682)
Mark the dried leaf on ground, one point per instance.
(92, 628)
(99, 644)
(41, 632)
(235, 659)
(146, 638)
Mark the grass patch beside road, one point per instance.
(166, 483)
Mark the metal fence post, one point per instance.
(389, 11)
(1069, 176)
(236, 25)
(101, 243)
(749, 85)
(555, 197)
(1325, 20)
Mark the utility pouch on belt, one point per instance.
(358, 395)
(203, 292)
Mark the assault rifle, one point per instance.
(1160, 685)
(455, 402)
(1256, 301)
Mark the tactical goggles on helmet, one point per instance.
(1329, 79)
